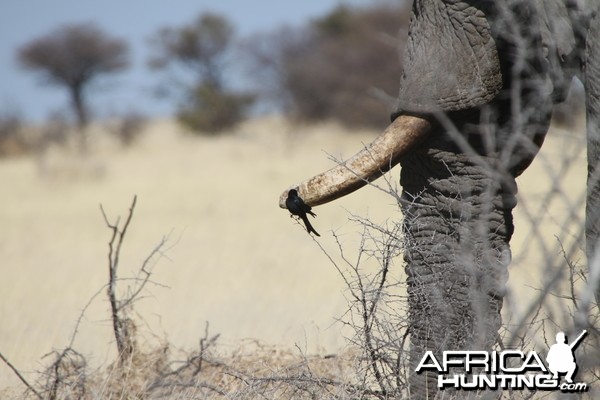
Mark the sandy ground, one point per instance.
(233, 257)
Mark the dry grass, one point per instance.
(234, 259)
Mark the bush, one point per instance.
(128, 127)
(213, 110)
(12, 141)
(201, 47)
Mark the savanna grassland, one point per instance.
(233, 257)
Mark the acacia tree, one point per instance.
(201, 48)
(337, 63)
(73, 56)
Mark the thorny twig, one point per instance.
(118, 235)
(18, 374)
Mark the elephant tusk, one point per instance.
(370, 163)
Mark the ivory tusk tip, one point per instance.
(402, 135)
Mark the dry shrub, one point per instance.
(255, 370)
(128, 127)
(12, 139)
(130, 379)
(143, 371)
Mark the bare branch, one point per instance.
(120, 323)
(21, 378)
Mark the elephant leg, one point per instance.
(592, 90)
(457, 224)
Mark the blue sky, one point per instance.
(135, 21)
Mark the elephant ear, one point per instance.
(451, 60)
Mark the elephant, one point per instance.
(479, 83)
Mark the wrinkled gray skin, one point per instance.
(488, 74)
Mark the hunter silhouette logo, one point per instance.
(560, 357)
(510, 369)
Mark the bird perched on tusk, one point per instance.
(297, 206)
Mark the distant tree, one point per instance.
(210, 109)
(345, 65)
(73, 56)
(202, 47)
(266, 56)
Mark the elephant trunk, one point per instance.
(404, 133)
(457, 225)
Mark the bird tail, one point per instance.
(309, 227)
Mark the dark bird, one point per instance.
(297, 206)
